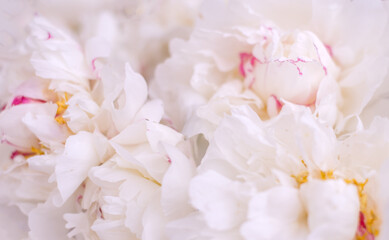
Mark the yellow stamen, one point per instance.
(37, 151)
(62, 106)
(305, 165)
(371, 219)
(60, 120)
(301, 177)
(360, 187)
(324, 175)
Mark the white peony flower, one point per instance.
(284, 52)
(264, 135)
(76, 117)
(289, 177)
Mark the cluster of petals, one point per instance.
(83, 150)
(194, 120)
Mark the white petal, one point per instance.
(175, 184)
(158, 133)
(332, 209)
(277, 213)
(46, 221)
(45, 128)
(82, 151)
(13, 129)
(57, 55)
(135, 94)
(221, 201)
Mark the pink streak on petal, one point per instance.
(274, 106)
(79, 198)
(318, 55)
(253, 60)
(24, 100)
(298, 68)
(101, 213)
(362, 229)
(293, 62)
(251, 82)
(49, 36)
(170, 123)
(19, 153)
(169, 159)
(20, 100)
(93, 64)
(243, 58)
(325, 70)
(279, 104)
(329, 49)
(3, 107)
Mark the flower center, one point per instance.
(368, 226)
(34, 151)
(62, 106)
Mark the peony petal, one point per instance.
(82, 151)
(135, 95)
(175, 184)
(277, 213)
(220, 200)
(332, 208)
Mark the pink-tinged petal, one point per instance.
(60, 60)
(244, 57)
(295, 74)
(99, 46)
(14, 131)
(35, 88)
(25, 100)
(274, 106)
(19, 153)
(362, 231)
(329, 49)
(93, 64)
